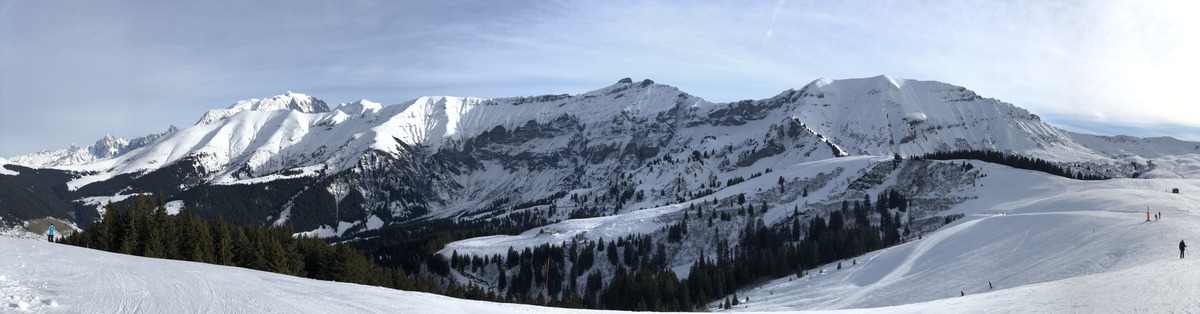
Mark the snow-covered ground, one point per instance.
(6, 171)
(36, 276)
(1051, 245)
(1043, 242)
(1046, 244)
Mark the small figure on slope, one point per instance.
(51, 232)
(1181, 247)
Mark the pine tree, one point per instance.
(202, 249)
(132, 231)
(101, 233)
(166, 229)
(503, 280)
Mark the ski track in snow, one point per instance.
(906, 266)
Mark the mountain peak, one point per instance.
(879, 81)
(629, 81)
(288, 101)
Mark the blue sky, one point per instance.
(73, 71)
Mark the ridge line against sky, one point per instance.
(73, 71)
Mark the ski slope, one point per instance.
(1061, 244)
(40, 277)
(1046, 244)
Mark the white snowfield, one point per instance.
(40, 277)
(1045, 243)
(1065, 246)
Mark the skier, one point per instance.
(51, 231)
(1181, 246)
(989, 285)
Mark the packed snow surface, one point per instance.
(1063, 246)
(36, 276)
(1045, 243)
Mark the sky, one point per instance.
(73, 71)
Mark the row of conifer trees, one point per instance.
(146, 229)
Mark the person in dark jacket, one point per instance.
(1181, 246)
(51, 232)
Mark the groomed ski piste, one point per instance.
(1046, 244)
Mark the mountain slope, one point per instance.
(1035, 263)
(1023, 231)
(454, 157)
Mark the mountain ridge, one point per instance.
(443, 157)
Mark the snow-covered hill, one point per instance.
(40, 277)
(1046, 244)
(453, 157)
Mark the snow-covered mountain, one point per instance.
(106, 148)
(363, 165)
(637, 157)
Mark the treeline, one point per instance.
(415, 245)
(145, 229)
(1015, 161)
(640, 266)
(642, 279)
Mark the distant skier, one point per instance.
(989, 285)
(1181, 247)
(963, 294)
(51, 232)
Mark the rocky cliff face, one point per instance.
(361, 166)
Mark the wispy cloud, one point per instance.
(126, 63)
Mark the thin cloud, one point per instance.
(168, 62)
